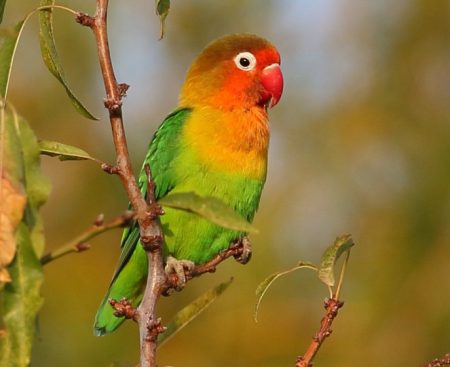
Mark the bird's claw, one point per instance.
(246, 253)
(178, 267)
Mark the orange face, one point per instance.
(235, 72)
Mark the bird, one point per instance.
(215, 144)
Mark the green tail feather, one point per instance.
(105, 321)
(128, 283)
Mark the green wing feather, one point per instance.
(160, 156)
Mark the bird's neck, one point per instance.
(233, 141)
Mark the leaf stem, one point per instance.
(48, 7)
(341, 276)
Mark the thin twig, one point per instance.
(210, 266)
(147, 215)
(332, 306)
(440, 362)
(79, 243)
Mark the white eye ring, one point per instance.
(245, 61)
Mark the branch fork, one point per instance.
(154, 329)
(85, 19)
(123, 308)
(108, 168)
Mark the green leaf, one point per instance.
(8, 45)
(51, 58)
(330, 256)
(20, 298)
(266, 283)
(162, 10)
(37, 185)
(191, 311)
(63, 151)
(20, 303)
(20, 167)
(2, 9)
(209, 208)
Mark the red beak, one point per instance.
(272, 82)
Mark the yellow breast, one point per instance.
(232, 141)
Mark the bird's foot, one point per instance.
(179, 268)
(244, 256)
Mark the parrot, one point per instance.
(215, 144)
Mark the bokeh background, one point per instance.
(360, 144)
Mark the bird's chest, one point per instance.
(234, 143)
(236, 191)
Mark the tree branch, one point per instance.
(332, 307)
(445, 361)
(149, 325)
(236, 249)
(146, 211)
(113, 102)
(123, 308)
(79, 243)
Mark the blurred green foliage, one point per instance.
(23, 191)
(360, 144)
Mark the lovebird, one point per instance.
(215, 143)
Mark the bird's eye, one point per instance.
(245, 61)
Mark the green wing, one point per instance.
(161, 151)
(160, 156)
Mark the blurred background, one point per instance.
(360, 144)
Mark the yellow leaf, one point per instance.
(11, 211)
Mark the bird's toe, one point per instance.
(179, 268)
(246, 253)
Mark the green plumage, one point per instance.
(177, 168)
